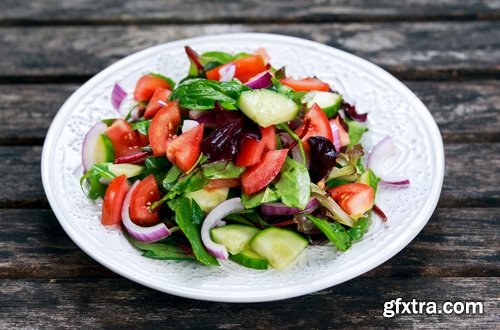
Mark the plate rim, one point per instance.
(427, 208)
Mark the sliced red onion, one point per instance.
(196, 114)
(143, 234)
(282, 209)
(138, 157)
(226, 72)
(162, 103)
(262, 80)
(117, 96)
(194, 58)
(90, 153)
(213, 219)
(399, 183)
(336, 136)
(189, 124)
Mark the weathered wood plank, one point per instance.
(409, 50)
(359, 303)
(192, 11)
(455, 242)
(471, 174)
(465, 111)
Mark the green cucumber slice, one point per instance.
(279, 246)
(250, 259)
(329, 102)
(208, 199)
(234, 237)
(266, 107)
(130, 170)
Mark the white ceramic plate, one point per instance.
(393, 109)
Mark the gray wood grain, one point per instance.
(192, 11)
(455, 242)
(464, 111)
(119, 303)
(409, 50)
(471, 171)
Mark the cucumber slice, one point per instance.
(234, 237)
(208, 199)
(250, 259)
(329, 102)
(279, 246)
(266, 107)
(130, 170)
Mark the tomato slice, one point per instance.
(160, 94)
(163, 126)
(246, 68)
(344, 136)
(147, 85)
(354, 198)
(251, 150)
(222, 183)
(125, 140)
(258, 176)
(318, 126)
(113, 201)
(306, 84)
(145, 194)
(184, 150)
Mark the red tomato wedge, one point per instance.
(306, 84)
(163, 127)
(125, 140)
(147, 85)
(246, 68)
(258, 176)
(318, 126)
(354, 198)
(251, 150)
(160, 94)
(184, 150)
(145, 194)
(344, 136)
(113, 201)
(222, 183)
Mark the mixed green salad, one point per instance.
(236, 161)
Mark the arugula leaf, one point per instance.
(222, 170)
(359, 229)
(93, 176)
(334, 231)
(293, 185)
(266, 196)
(201, 94)
(142, 126)
(355, 131)
(161, 251)
(169, 81)
(184, 217)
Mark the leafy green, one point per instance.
(201, 94)
(284, 126)
(355, 130)
(93, 176)
(287, 91)
(222, 170)
(161, 251)
(220, 57)
(266, 196)
(169, 81)
(142, 126)
(359, 229)
(184, 216)
(334, 210)
(334, 231)
(156, 166)
(293, 185)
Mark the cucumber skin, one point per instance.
(250, 259)
(275, 235)
(330, 110)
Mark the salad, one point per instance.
(235, 161)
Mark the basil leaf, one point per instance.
(142, 126)
(184, 218)
(359, 229)
(333, 231)
(161, 251)
(293, 185)
(222, 170)
(266, 196)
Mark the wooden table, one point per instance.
(447, 52)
